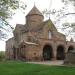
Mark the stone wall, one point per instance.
(9, 48)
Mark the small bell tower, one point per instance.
(34, 18)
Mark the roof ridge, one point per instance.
(34, 11)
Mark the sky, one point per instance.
(19, 17)
(40, 4)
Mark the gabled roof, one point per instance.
(18, 26)
(34, 11)
(10, 39)
(51, 25)
(22, 28)
(48, 22)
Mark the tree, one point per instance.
(58, 15)
(6, 11)
(70, 27)
(2, 55)
(69, 1)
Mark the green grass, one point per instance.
(21, 68)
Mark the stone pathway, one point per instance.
(49, 62)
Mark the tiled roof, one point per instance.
(34, 11)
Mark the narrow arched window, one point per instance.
(49, 35)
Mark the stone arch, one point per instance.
(60, 52)
(70, 48)
(47, 52)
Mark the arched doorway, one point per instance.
(47, 52)
(60, 53)
(70, 48)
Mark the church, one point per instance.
(37, 40)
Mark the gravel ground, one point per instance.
(49, 62)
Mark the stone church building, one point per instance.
(37, 40)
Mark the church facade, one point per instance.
(37, 40)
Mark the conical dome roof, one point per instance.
(34, 11)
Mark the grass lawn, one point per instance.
(21, 68)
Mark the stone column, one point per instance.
(54, 53)
(16, 53)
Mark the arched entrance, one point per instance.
(70, 48)
(47, 52)
(60, 53)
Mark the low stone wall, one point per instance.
(70, 58)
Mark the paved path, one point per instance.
(49, 62)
